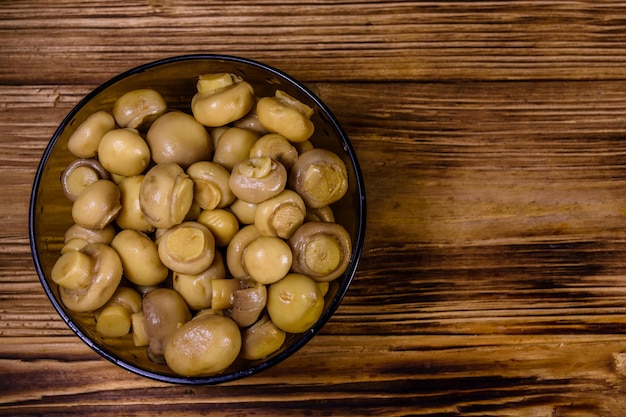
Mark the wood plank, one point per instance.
(322, 41)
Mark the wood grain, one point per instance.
(491, 139)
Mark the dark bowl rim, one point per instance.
(303, 338)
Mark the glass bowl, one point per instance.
(175, 78)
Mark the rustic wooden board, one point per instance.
(491, 139)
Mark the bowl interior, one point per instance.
(175, 78)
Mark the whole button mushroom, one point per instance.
(237, 248)
(221, 99)
(123, 152)
(256, 179)
(163, 312)
(267, 259)
(79, 174)
(206, 345)
(140, 258)
(197, 289)
(188, 248)
(320, 177)
(131, 216)
(97, 205)
(233, 146)
(222, 223)
(137, 109)
(276, 147)
(177, 137)
(285, 115)
(295, 303)
(165, 195)
(321, 250)
(84, 142)
(211, 189)
(87, 278)
(114, 318)
(281, 215)
(261, 339)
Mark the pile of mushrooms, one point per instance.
(204, 237)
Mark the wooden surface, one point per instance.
(492, 142)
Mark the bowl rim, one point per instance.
(302, 338)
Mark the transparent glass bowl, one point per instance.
(175, 78)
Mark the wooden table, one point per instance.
(491, 138)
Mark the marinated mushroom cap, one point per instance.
(320, 177)
(123, 152)
(222, 223)
(248, 303)
(87, 278)
(131, 216)
(276, 147)
(267, 259)
(197, 289)
(84, 142)
(221, 99)
(281, 215)
(137, 109)
(164, 311)
(211, 189)
(104, 235)
(206, 345)
(321, 250)
(256, 179)
(233, 146)
(261, 339)
(79, 174)
(177, 137)
(188, 248)
(243, 210)
(237, 248)
(285, 115)
(165, 195)
(114, 318)
(294, 303)
(140, 258)
(97, 205)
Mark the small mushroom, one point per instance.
(243, 210)
(221, 99)
(87, 278)
(197, 289)
(97, 205)
(188, 248)
(130, 215)
(294, 303)
(222, 223)
(281, 215)
(83, 143)
(140, 258)
(137, 109)
(233, 146)
(261, 339)
(286, 115)
(248, 303)
(276, 147)
(79, 174)
(104, 235)
(206, 345)
(237, 248)
(177, 137)
(163, 312)
(267, 259)
(123, 152)
(114, 318)
(320, 177)
(256, 179)
(321, 250)
(211, 189)
(165, 195)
